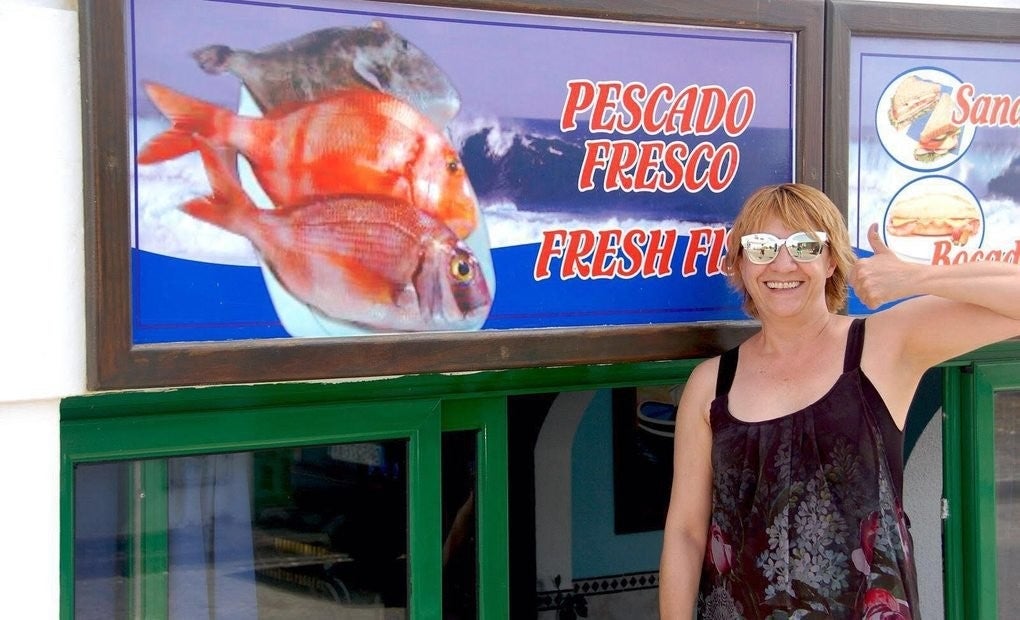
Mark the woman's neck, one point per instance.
(791, 335)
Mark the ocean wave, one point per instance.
(500, 134)
(509, 226)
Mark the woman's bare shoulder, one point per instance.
(705, 373)
(700, 388)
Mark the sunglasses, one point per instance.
(763, 248)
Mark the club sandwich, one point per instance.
(939, 135)
(911, 99)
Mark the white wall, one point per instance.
(42, 309)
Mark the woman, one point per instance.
(788, 463)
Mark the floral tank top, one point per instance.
(807, 513)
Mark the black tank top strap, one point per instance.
(727, 368)
(854, 345)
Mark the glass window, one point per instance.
(101, 541)
(1007, 496)
(460, 525)
(308, 532)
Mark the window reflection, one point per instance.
(100, 540)
(313, 532)
(460, 526)
(1007, 495)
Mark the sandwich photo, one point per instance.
(934, 215)
(911, 99)
(939, 135)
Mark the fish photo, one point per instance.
(349, 168)
(349, 120)
(324, 61)
(354, 141)
(369, 260)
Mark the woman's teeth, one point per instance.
(782, 285)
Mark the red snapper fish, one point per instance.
(355, 141)
(373, 261)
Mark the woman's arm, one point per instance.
(954, 308)
(690, 503)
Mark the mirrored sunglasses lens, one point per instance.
(803, 248)
(760, 251)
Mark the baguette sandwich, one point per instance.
(934, 215)
(939, 135)
(912, 98)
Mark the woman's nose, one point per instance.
(784, 260)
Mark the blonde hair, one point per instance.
(802, 208)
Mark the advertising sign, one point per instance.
(333, 169)
(315, 189)
(934, 149)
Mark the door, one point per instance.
(983, 492)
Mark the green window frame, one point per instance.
(191, 421)
(140, 425)
(218, 420)
(969, 526)
(488, 418)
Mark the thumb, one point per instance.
(875, 240)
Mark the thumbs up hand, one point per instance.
(883, 277)
(875, 239)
